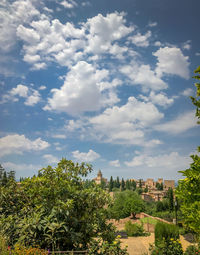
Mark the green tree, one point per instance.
(128, 187)
(133, 205)
(117, 182)
(146, 189)
(55, 209)
(170, 195)
(122, 185)
(188, 190)
(111, 184)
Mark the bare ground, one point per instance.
(140, 245)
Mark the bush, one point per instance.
(191, 250)
(170, 247)
(134, 229)
(166, 232)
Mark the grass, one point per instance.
(149, 220)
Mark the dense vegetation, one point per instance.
(56, 210)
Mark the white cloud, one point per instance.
(81, 91)
(144, 76)
(50, 158)
(32, 96)
(59, 136)
(17, 144)
(160, 99)
(125, 124)
(115, 163)
(20, 90)
(141, 40)
(89, 156)
(182, 123)
(103, 31)
(172, 61)
(68, 4)
(187, 45)
(197, 54)
(15, 13)
(187, 92)
(152, 24)
(42, 87)
(169, 161)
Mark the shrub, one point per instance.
(166, 232)
(191, 250)
(134, 229)
(99, 247)
(170, 247)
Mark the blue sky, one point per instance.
(105, 82)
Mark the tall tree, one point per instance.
(111, 184)
(122, 185)
(188, 190)
(118, 182)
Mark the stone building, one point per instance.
(100, 178)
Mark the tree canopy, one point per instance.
(55, 209)
(188, 190)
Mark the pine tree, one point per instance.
(128, 187)
(4, 179)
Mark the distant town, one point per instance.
(154, 190)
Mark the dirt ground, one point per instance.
(140, 245)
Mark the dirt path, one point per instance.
(138, 245)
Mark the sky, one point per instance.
(104, 82)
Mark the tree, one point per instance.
(188, 190)
(122, 185)
(126, 203)
(128, 187)
(117, 182)
(55, 209)
(170, 195)
(111, 184)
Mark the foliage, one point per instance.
(196, 100)
(170, 196)
(167, 247)
(159, 186)
(55, 210)
(99, 247)
(192, 249)
(126, 203)
(122, 185)
(111, 184)
(188, 190)
(149, 220)
(165, 231)
(134, 229)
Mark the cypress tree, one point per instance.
(122, 185)
(111, 184)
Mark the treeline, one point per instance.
(123, 185)
(5, 176)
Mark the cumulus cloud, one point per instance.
(126, 124)
(143, 76)
(141, 40)
(17, 144)
(15, 13)
(81, 91)
(187, 45)
(31, 96)
(89, 156)
(172, 61)
(49, 158)
(68, 4)
(182, 123)
(172, 160)
(187, 92)
(115, 163)
(160, 99)
(103, 31)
